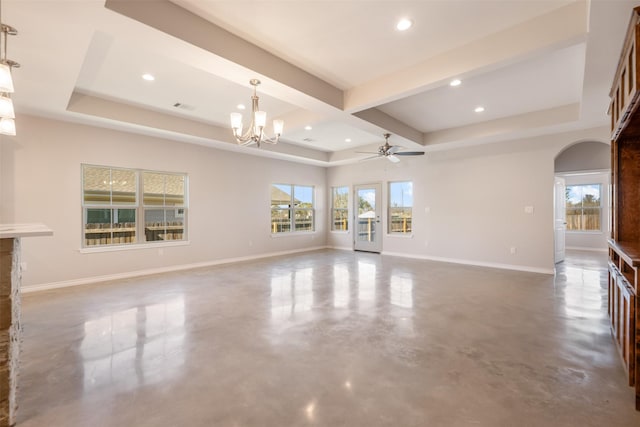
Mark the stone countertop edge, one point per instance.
(9, 231)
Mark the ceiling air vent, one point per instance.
(308, 140)
(182, 106)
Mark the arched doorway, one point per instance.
(582, 173)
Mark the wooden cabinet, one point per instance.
(622, 307)
(624, 245)
(624, 92)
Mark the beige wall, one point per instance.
(475, 198)
(584, 156)
(229, 199)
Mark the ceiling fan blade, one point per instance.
(366, 152)
(393, 149)
(393, 158)
(409, 153)
(369, 158)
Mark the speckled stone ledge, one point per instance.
(10, 326)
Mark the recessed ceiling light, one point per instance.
(479, 109)
(240, 107)
(455, 82)
(148, 77)
(308, 127)
(404, 24)
(347, 140)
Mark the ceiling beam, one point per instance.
(390, 124)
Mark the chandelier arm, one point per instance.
(247, 137)
(273, 140)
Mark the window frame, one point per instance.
(332, 218)
(179, 210)
(582, 208)
(291, 210)
(390, 231)
(140, 238)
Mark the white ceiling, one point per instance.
(545, 82)
(112, 69)
(350, 42)
(337, 66)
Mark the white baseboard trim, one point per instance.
(150, 271)
(475, 263)
(579, 248)
(341, 248)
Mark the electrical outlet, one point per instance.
(514, 250)
(528, 209)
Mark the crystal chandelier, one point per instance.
(255, 132)
(7, 113)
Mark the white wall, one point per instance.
(229, 199)
(476, 198)
(587, 155)
(590, 240)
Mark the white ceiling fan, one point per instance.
(390, 152)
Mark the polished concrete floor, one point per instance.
(327, 338)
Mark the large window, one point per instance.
(584, 211)
(292, 208)
(112, 206)
(164, 207)
(340, 208)
(400, 207)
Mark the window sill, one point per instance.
(135, 246)
(340, 231)
(401, 235)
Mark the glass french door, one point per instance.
(368, 211)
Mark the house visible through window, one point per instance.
(292, 208)
(400, 207)
(340, 208)
(584, 209)
(112, 206)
